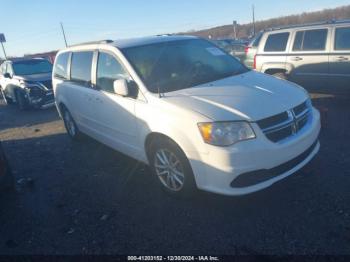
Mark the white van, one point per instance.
(195, 114)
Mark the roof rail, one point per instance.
(165, 34)
(106, 41)
(332, 21)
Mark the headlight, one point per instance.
(225, 133)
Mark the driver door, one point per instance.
(114, 115)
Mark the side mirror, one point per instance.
(120, 87)
(7, 75)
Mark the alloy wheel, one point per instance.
(169, 170)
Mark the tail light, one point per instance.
(254, 65)
(246, 49)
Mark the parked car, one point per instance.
(250, 50)
(314, 55)
(235, 49)
(195, 114)
(27, 82)
(6, 177)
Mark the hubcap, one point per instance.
(69, 123)
(169, 170)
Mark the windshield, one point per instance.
(31, 67)
(181, 64)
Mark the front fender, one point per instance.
(174, 123)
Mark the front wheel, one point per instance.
(171, 168)
(22, 102)
(70, 125)
(7, 101)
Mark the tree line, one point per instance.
(246, 30)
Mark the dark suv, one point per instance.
(27, 82)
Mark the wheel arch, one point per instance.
(272, 71)
(151, 137)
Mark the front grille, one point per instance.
(285, 124)
(47, 84)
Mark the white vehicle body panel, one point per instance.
(124, 123)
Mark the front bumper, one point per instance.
(43, 100)
(217, 170)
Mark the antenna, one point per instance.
(64, 35)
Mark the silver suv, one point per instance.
(27, 82)
(316, 56)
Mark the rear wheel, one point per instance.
(171, 168)
(70, 124)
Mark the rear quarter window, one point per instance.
(255, 42)
(276, 42)
(61, 66)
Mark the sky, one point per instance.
(32, 26)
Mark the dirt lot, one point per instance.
(84, 198)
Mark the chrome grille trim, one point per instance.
(297, 119)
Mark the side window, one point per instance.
(108, 70)
(3, 68)
(81, 67)
(342, 39)
(298, 41)
(256, 41)
(61, 65)
(9, 69)
(311, 40)
(276, 42)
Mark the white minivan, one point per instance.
(194, 113)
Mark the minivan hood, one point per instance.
(251, 96)
(35, 77)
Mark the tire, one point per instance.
(70, 125)
(280, 75)
(171, 168)
(22, 102)
(7, 101)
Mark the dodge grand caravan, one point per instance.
(195, 114)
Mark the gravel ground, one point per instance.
(84, 198)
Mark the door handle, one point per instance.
(296, 58)
(342, 58)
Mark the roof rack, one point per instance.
(106, 41)
(332, 21)
(165, 34)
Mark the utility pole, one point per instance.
(64, 35)
(234, 29)
(253, 9)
